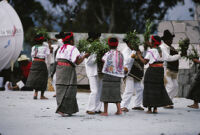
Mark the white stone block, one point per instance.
(165, 25)
(179, 26)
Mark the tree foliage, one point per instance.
(116, 16)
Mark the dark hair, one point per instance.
(113, 41)
(93, 36)
(60, 35)
(38, 42)
(157, 38)
(70, 39)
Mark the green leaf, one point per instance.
(132, 38)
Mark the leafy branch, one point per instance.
(42, 31)
(194, 54)
(147, 33)
(132, 39)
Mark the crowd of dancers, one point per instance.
(154, 88)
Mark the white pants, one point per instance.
(132, 85)
(53, 82)
(171, 85)
(94, 103)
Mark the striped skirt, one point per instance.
(155, 94)
(66, 89)
(111, 89)
(194, 91)
(38, 76)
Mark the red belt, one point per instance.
(63, 63)
(37, 59)
(156, 65)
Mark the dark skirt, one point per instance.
(155, 94)
(38, 76)
(66, 89)
(111, 89)
(194, 91)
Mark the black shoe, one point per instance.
(138, 108)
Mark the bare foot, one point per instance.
(35, 96)
(155, 111)
(194, 106)
(43, 97)
(149, 112)
(124, 109)
(169, 107)
(62, 114)
(104, 114)
(118, 112)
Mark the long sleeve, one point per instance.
(91, 59)
(166, 55)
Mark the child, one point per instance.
(113, 72)
(155, 94)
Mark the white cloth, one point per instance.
(113, 63)
(131, 86)
(20, 84)
(94, 103)
(52, 55)
(153, 55)
(166, 54)
(40, 51)
(60, 42)
(128, 61)
(172, 83)
(68, 52)
(91, 65)
(53, 82)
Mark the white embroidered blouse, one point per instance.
(153, 56)
(68, 52)
(113, 63)
(40, 51)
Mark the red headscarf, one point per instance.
(156, 43)
(67, 36)
(112, 43)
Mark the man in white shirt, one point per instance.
(171, 64)
(95, 79)
(132, 82)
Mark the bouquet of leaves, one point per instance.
(42, 31)
(183, 46)
(83, 45)
(98, 48)
(132, 38)
(147, 33)
(194, 54)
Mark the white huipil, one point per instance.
(171, 83)
(95, 82)
(131, 83)
(41, 52)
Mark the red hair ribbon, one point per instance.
(40, 38)
(156, 43)
(67, 37)
(112, 43)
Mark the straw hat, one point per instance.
(23, 57)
